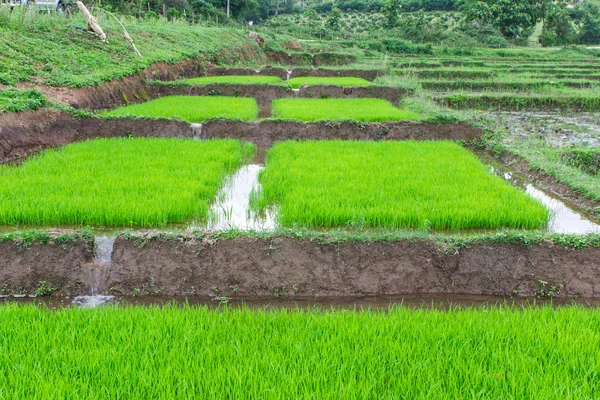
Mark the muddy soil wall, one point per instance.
(61, 265)
(265, 133)
(25, 133)
(286, 266)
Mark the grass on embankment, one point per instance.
(191, 108)
(125, 182)
(323, 81)
(13, 100)
(409, 184)
(48, 48)
(235, 80)
(556, 100)
(361, 110)
(142, 353)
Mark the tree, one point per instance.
(390, 11)
(512, 18)
(334, 19)
(558, 26)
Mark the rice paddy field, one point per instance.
(125, 182)
(137, 353)
(322, 81)
(408, 184)
(191, 108)
(361, 110)
(236, 80)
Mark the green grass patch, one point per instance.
(578, 100)
(323, 81)
(437, 185)
(13, 100)
(193, 352)
(587, 160)
(236, 80)
(119, 182)
(191, 108)
(46, 48)
(362, 110)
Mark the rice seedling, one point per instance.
(556, 100)
(197, 352)
(236, 80)
(119, 182)
(322, 81)
(437, 185)
(191, 108)
(362, 110)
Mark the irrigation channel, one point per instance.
(231, 211)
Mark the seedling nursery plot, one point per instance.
(191, 108)
(119, 182)
(361, 110)
(323, 81)
(437, 185)
(235, 80)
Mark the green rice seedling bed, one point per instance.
(586, 160)
(236, 80)
(322, 81)
(361, 110)
(409, 184)
(578, 100)
(498, 85)
(197, 352)
(191, 108)
(119, 182)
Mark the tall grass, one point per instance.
(170, 352)
(437, 185)
(126, 182)
(335, 81)
(236, 80)
(362, 110)
(191, 108)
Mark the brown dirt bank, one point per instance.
(287, 266)
(25, 133)
(264, 134)
(61, 265)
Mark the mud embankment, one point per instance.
(284, 266)
(26, 133)
(292, 72)
(266, 133)
(184, 265)
(24, 267)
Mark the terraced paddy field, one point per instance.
(531, 352)
(436, 185)
(361, 110)
(235, 80)
(325, 81)
(119, 182)
(191, 108)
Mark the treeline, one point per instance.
(376, 5)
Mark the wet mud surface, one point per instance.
(292, 267)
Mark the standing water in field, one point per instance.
(232, 208)
(562, 218)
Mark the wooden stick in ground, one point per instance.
(92, 22)
(127, 37)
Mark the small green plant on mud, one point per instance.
(44, 289)
(548, 291)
